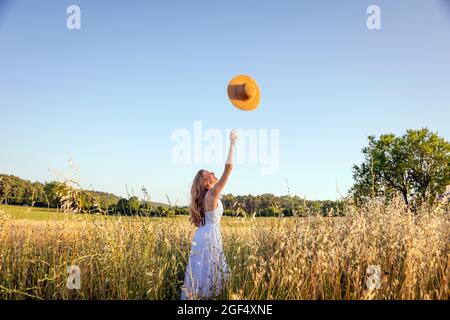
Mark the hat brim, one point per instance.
(251, 103)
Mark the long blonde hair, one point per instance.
(198, 192)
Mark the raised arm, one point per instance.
(217, 189)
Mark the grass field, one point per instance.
(49, 214)
(34, 213)
(275, 258)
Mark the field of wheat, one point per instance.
(280, 258)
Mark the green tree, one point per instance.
(415, 166)
(134, 204)
(122, 206)
(51, 194)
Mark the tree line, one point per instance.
(68, 196)
(269, 205)
(65, 196)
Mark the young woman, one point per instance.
(207, 269)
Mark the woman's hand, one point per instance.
(233, 136)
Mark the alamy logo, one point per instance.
(373, 277)
(74, 20)
(74, 278)
(254, 146)
(374, 20)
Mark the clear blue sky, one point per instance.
(110, 95)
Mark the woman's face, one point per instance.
(209, 179)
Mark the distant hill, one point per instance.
(18, 191)
(159, 204)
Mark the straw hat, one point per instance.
(243, 92)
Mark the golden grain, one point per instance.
(281, 258)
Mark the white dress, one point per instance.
(207, 269)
